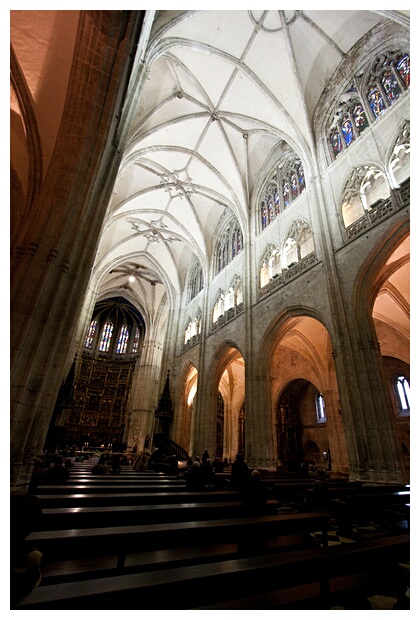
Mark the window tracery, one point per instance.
(299, 245)
(91, 333)
(402, 390)
(285, 184)
(399, 164)
(196, 283)
(321, 416)
(123, 340)
(193, 328)
(229, 245)
(366, 185)
(116, 328)
(367, 98)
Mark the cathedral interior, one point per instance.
(210, 237)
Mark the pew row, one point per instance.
(107, 516)
(119, 540)
(214, 584)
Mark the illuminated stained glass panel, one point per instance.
(301, 177)
(276, 201)
(106, 336)
(136, 341)
(123, 340)
(347, 131)
(239, 241)
(263, 214)
(359, 117)
(376, 101)
(270, 208)
(403, 68)
(90, 334)
(391, 86)
(336, 141)
(294, 186)
(286, 193)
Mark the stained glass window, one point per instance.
(359, 117)
(403, 390)
(263, 214)
(320, 408)
(136, 341)
(390, 84)
(403, 68)
(301, 177)
(388, 77)
(336, 142)
(90, 334)
(270, 209)
(290, 178)
(376, 101)
(106, 336)
(277, 200)
(239, 241)
(230, 242)
(286, 193)
(348, 133)
(294, 186)
(123, 340)
(234, 244)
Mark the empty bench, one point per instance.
(118, 540)
(91, 516)
(124, 499)
(214, 584)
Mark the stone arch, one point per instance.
(186, 407)
(226, 374)
(297, 348)
(398, 159)
(382, 309)
(366, 184)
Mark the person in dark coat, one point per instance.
(255, 493)
(239, 477)
(195, 478)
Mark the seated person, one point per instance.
(255, 493)
(195, 478)
(239, 477)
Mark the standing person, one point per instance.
(116, 464)
(239, 478)
(205, 456)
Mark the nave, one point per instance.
(139, 539)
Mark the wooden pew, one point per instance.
(92, 488)
(375, 505)
(215, 584)
(124, 499)
(107, 516)
(88, 542)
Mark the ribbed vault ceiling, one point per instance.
(226, 93)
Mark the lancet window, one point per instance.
(195, 284)
(368, 97)
(229, 245)
(285, 184)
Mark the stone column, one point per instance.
(144, 394)
(336, 438)
(259, 428)
(54, 249)
(375, 452)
